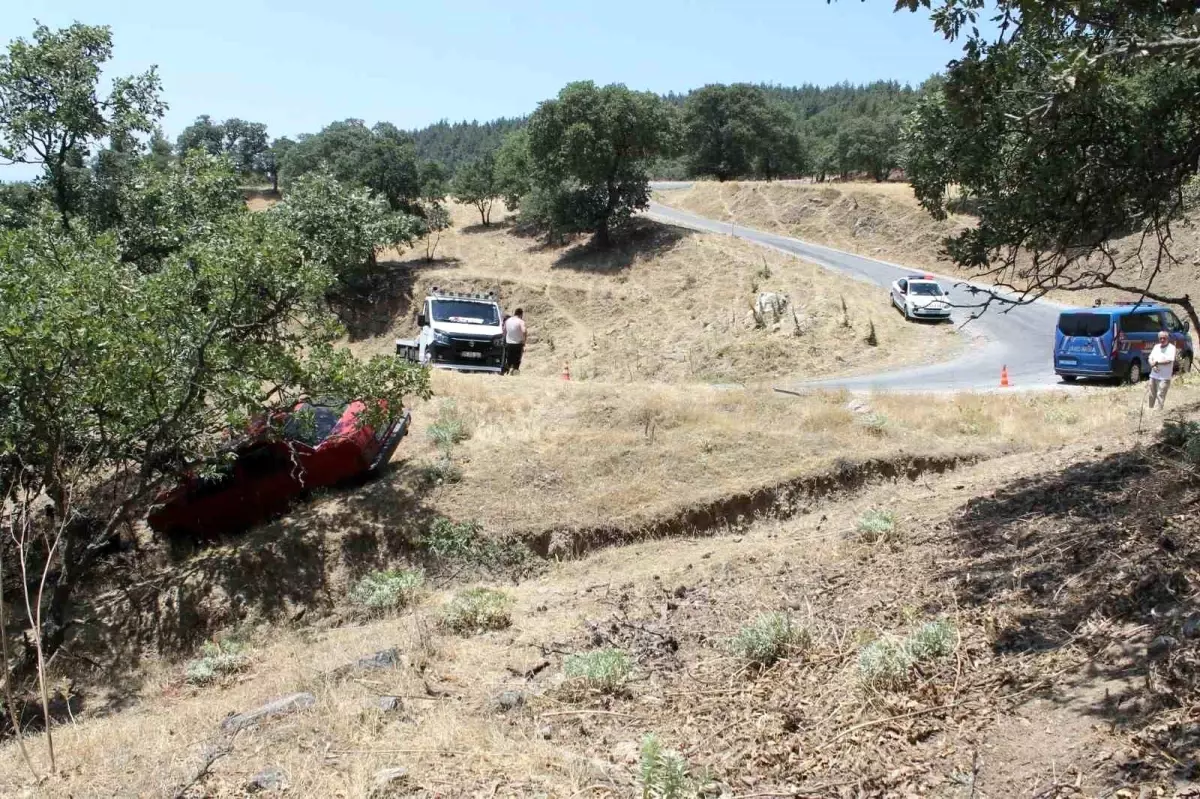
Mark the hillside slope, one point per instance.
(884, 220)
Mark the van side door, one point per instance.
(1141, 330)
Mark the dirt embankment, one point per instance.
(1060, 661)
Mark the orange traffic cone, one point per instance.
(1004, 376)
(566, 375)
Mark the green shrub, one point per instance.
(1184, 437)
(876, 525)
(464, 541)
(770, 637)
(933, 639)
(885, 663)
(443, 470)
(448, 429)
(664, 773)
(874, 423)
(477, 610)
(217, 660)
(603, 669)
(382, 591)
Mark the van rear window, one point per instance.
(1084, 324)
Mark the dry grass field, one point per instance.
(884, 220)
(657, 503)
(666, 305)
(495, 713)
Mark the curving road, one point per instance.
(1020, 337)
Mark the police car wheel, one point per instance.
(1135, 373)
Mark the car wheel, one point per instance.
(1069, 378)
(1185, 364)
(907, 315)
(1134, 375)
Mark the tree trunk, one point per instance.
(275, 181)
(603, 238)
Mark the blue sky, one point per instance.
(301, 64)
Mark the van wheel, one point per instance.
(1185, 364)
(1135, 373)
(1069, 378)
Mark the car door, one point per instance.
(899, 288)
(1141, 330)
(1179, 333)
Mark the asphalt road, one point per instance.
(1020, 337)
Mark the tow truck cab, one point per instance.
(458, 331)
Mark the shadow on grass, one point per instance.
(495, 225)
(1103, 555)
(372, 308)
(292, 570)
(641, 238)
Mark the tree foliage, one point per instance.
(1077, 124)
(343, 227)
(135, 344)
(58, 134)
(514, 174)
(382, 159)
(592, 145)
(737, 131)
(475, 184)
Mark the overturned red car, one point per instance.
(316, 444)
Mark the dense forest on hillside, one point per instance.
(817, 114)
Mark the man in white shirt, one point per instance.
(514, 341)
(1162, 367)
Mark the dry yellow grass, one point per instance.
(545, 453)
(449, 734)
(666, 305)
(884, 220)
(636, 436)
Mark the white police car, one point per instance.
(920, 297)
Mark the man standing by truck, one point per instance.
(1162, 368)
(514, 341)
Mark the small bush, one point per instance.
(874, 423)
(933, 639)
(885, 663)
(449, 429)
(876, 525)
(442, 471)
(382, 591)
(602, 669)
(217, 660)
(664, 773)
(464, 541)
(770, 637)
(477, 610)
(871, 339)
(1184, 437)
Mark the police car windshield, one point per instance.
(925, 289)
(465, 312)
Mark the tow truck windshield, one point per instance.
(465, 312)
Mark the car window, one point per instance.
(927, 289)
(1173, 323)
(312, 424)
(903, 285)
(470, 313)
(1084, 324)
(262, 460)
(1146, 322)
